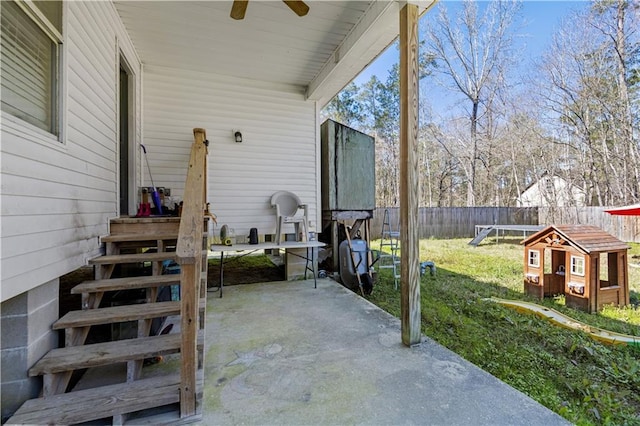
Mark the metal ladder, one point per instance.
(389, 242)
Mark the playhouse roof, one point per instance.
(586, 238)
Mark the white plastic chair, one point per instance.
(287, 205)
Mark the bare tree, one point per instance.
(585, 85)
(473, 53)
(617, 21)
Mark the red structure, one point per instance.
(632, 210)
(586, 264)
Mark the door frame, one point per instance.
(132, 134)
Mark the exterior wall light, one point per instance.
(237, 136)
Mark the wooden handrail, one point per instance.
(189, 253)
(189, 245)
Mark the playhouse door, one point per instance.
(558, 272)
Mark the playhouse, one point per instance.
(586, 264)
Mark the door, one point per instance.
(559, 270)
(125, 107)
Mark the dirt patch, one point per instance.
(249, 270)
(68, 301)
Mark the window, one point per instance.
(577, 265)
(30, 57)
(609, 273)
(549, 184)
(534, 258)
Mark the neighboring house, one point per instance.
(85, 83)
(551, 191)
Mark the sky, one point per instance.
(541, 19)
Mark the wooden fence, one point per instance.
(460, 222)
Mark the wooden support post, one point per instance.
(335, 243)
(189, 253)
(623, 278)
(190, 274)
(409, 257)
(55, 383)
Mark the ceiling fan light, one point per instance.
(238, 9)
(298, 7)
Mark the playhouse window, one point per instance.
(534, 258)
(608, 270)
(577, 265)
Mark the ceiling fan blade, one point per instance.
(239, 8)
(299, 7)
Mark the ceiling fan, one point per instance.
(240, 7)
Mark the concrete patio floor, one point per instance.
(284, 353)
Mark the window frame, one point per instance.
(534, 260)
(55, 36)
(575, 262)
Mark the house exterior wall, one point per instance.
(279, 151)
(57, 194)
(25, 321)
(551, 191)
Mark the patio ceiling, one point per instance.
(319, 53)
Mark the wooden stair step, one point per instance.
(97, 403)
(117, 314)
(143, 225)
(133, 258)
(116, 238)
(128, 283)
(96, 354)
(137, 237)
(134, 312)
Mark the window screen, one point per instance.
(29, 69)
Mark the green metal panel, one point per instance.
(348, 168)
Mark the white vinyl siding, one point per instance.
(278, 151)
(57, 198)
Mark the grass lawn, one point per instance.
(585, 381)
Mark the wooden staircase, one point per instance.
(134, 241)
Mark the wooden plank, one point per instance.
(104, 271)
(144, 237)
(133, 258)
(116, 314)
(96, 403)
(189, 292)
(189, 250)
(150, 225)
(191, 222)
(93, 355)
(127, 283)
(409, 191)
(53, 384)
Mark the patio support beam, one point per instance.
(409, 256)
(366, 36)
